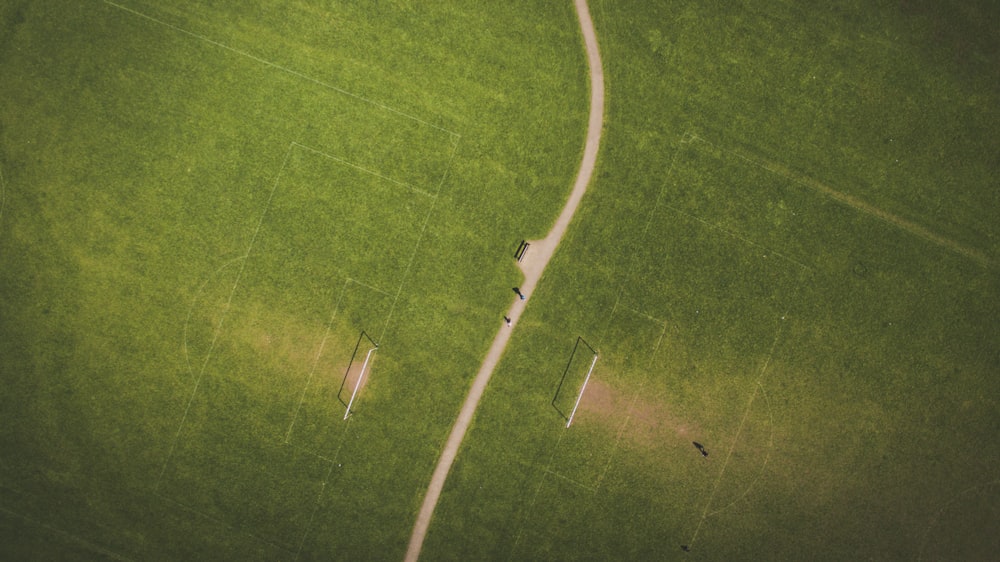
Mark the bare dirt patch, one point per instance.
(649, 423)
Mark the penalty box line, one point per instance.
(225, 312)
(285, 69)
(229, 526)
(635, 397)
(365, 170)
(859, 205)
(66, 534)
(3, 193)
(758, 387)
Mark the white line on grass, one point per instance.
(534, 497)
(416, 248)
(280, 67)
(335, 457)
(215, 337)
(57, 531)
(370, 287)
(767, 457)
(319, 353)
(571, 481)
(365, 170)
(447, 166)
(194, 302)
(232, 528)
(746, 414)
(635, 398)
(3, 194)
(312, 514)
(937, 516)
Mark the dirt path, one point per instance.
(532, 265)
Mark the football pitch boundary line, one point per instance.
(547, 470)
(3, 194)
(280, 67)
(218, 330)
(232, 528)
(635, 396)
(194, 302)
(534, 497)
(66, 534)
(365, 170)
(319, 353)
(937, 516)
(758, 386)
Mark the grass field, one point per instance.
(210, 213)
(205, 206)
(789, 257)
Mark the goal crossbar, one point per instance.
(361, 378)
(582, 389)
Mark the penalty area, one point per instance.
(356, 370)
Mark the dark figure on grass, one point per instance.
(700, 448)
(519, 293)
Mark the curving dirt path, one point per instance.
(532, 265)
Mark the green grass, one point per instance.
(836, 362)
(205, 205)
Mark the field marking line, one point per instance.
(369, 287)
(194, 301)
(732, 447)
(229, 526)
(361, 379)
(335, 457)
(312, 513)
(937, 516)
(663, 188)
(416, 247)
(767, 457)
(862, 206)
(532, 273)
(635, 398)
(215, 337)
(448, 164)
(277, 66)
(66, 534)
(365, 170)
(583, 389)
(3, 193)
(534, 497)
(319, 353)
(571, 481)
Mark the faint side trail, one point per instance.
(533, 265)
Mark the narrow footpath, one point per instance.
(532, 265)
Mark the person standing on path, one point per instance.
(532, 275)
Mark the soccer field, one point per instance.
(775, 263)
(211, 217)
(222, 223)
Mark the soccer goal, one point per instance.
(579, 368)
(354, 376)
(583, 389)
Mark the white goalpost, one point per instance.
(582, 389)
(361, 378)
